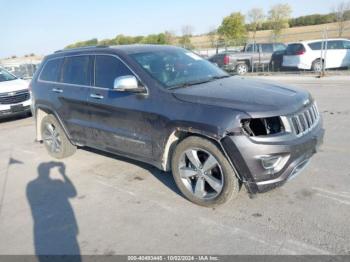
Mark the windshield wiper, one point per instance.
(220, 77)
(187, 84)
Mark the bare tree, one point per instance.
(255, 18)
(170, 37)
(278, 17)
(185, 39)
(212, 36)
(340, 12)
(187, 30)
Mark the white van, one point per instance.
(308, 54)
(15, 97)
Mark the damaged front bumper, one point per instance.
(289, 153)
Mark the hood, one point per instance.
(256, 97)
(14, 85)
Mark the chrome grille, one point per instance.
(304, 121)
(14, 97)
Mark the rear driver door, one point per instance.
(68, 92)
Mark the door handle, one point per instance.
(96, 96)
(57, 90)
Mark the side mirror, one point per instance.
(128, 83)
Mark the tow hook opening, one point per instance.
(262, 126)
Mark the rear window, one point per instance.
(294, 49)
(51, 70)
(107, 69)
(76, 70)
(316, 45)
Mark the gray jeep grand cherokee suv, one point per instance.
(172, 109)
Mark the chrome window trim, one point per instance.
(90, 86)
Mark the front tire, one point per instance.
(55, 140)
(202, 172)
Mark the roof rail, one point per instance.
(81, 48)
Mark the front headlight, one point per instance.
(262, 126)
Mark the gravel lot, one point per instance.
(110, 205)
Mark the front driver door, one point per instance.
(118, 119)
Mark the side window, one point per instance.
(316, 45)
(76, 70)
(252, 48)
(51, 70)
(346, 44)
(107, 69)
(249, 48)
(335, 44)
(280, 47)
(267, 48)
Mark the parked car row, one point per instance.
(306, 55)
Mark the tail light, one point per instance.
(300, 52)
(226, 60)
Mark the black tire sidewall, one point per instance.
(318, 61)
(231, 184)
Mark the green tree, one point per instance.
(90, 42)
(279, 18)
(233, 27)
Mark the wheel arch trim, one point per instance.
(181, 133)
(41, 111)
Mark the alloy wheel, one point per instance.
(242, 69)
(52, 138)
(201, 173)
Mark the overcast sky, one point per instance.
(42, 26)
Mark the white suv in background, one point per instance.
(15, 98)
(308, 54)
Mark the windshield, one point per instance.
(6, 76)
(178, 67)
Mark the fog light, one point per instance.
(270, 162)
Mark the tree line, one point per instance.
(236, 27)
(161, 39)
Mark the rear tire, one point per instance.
(242, 68)
(55, 140)
(197, 160)
(316, 65)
